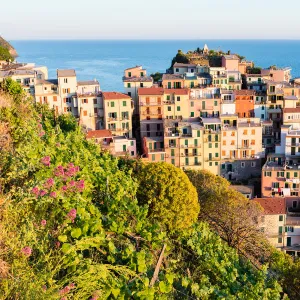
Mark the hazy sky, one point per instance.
(152, 19)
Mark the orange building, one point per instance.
(244, 103)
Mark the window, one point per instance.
(192, 103)
(124, 103)
(253, 164)
(242, 165)
(280, 229)
(128, 84)
(131, 143)
(95, 110)
(279, 240)
(210, 145)
(129, 74)
(295, 174)
(129, 94)
(192, 114)
(178, 98)
(252, 142)
(233, 133)
(85, 112)
(280, 218)
(216, 163)
(224, 143)
(253, 131)
(198, 133)
(132, 153)
(141, 84)
(262, 219)
(215, 103)
(95, 101)
(112, 104)
(153, 157)
(223, 166)
(65, 80)
(142, 74)
(54, 98)
(84, 100)
(178, 108)
(162, 157)
(177, 70)
(173, 161)
(216, 145)
(268, 174)
(210, 164)
(187, 161)
(169, 108)
(216, 154)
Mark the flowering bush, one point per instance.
(71, 227)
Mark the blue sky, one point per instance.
(152, 19)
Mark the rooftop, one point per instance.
(291, 110)
(151, 91)
(182, 65)
(136, 67)
(211, 121)
(233, 56)
(89, 82)
(272, 206)
(291, 97)
(66, 73)
(49, 81)
(102, 133)
(138, 79)
(114, 96)
(172, 76)
(244, 92)
(244, 189)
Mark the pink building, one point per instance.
(230, 62)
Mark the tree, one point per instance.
(5, 55)
(156, 76)
(232, 215)
(179, 58)
(171, 197)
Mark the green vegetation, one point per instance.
(156, 76)
(5, 55)
(76, 223)
(171, 197)
(179, 58)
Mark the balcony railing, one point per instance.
(212, 159)
(151, 104)
(190, 146)
(156, 150)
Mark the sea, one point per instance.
(105, 60)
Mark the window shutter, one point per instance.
(87, 100)
(65, 109)
(65, 100)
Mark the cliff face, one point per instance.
(7, 45)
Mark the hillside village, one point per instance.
(239, 125)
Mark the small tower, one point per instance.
(205, 49)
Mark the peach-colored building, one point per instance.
(277, 74)
(118, 110)
(230, 62)
(116, 145)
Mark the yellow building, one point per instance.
(118, 110)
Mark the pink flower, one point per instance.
(72, 183)
(49, 183)
(46, 161)
(26, 251)
(44, 287)
(80, 185)
(40, 115)
(59, 171)
(63, 298)
(72, 214)
(53, 195)
(72, 285)
(57, 144)
(43, 222)
(57, 244)
(35, 190)
(40, 125)
(64, 188)
(43, 193)
(42, 133)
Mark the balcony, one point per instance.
(212, 159)
(151, 113)
(171, 146)
(211, 140)
(293, 212)
(190, 154)
(208, 96)
(156, 150)
(190, 146)
(151, 104)
(177, 134)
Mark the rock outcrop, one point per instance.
(7, 45)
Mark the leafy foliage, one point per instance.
(170, 195)
(179, 58)
(71, 226)
(5, 55)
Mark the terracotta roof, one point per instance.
(177, 91)
(291, 110)
(272, 206)
(102, 133)
(244, 92)
(151, 91)
(66, 73)
(114, 96)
